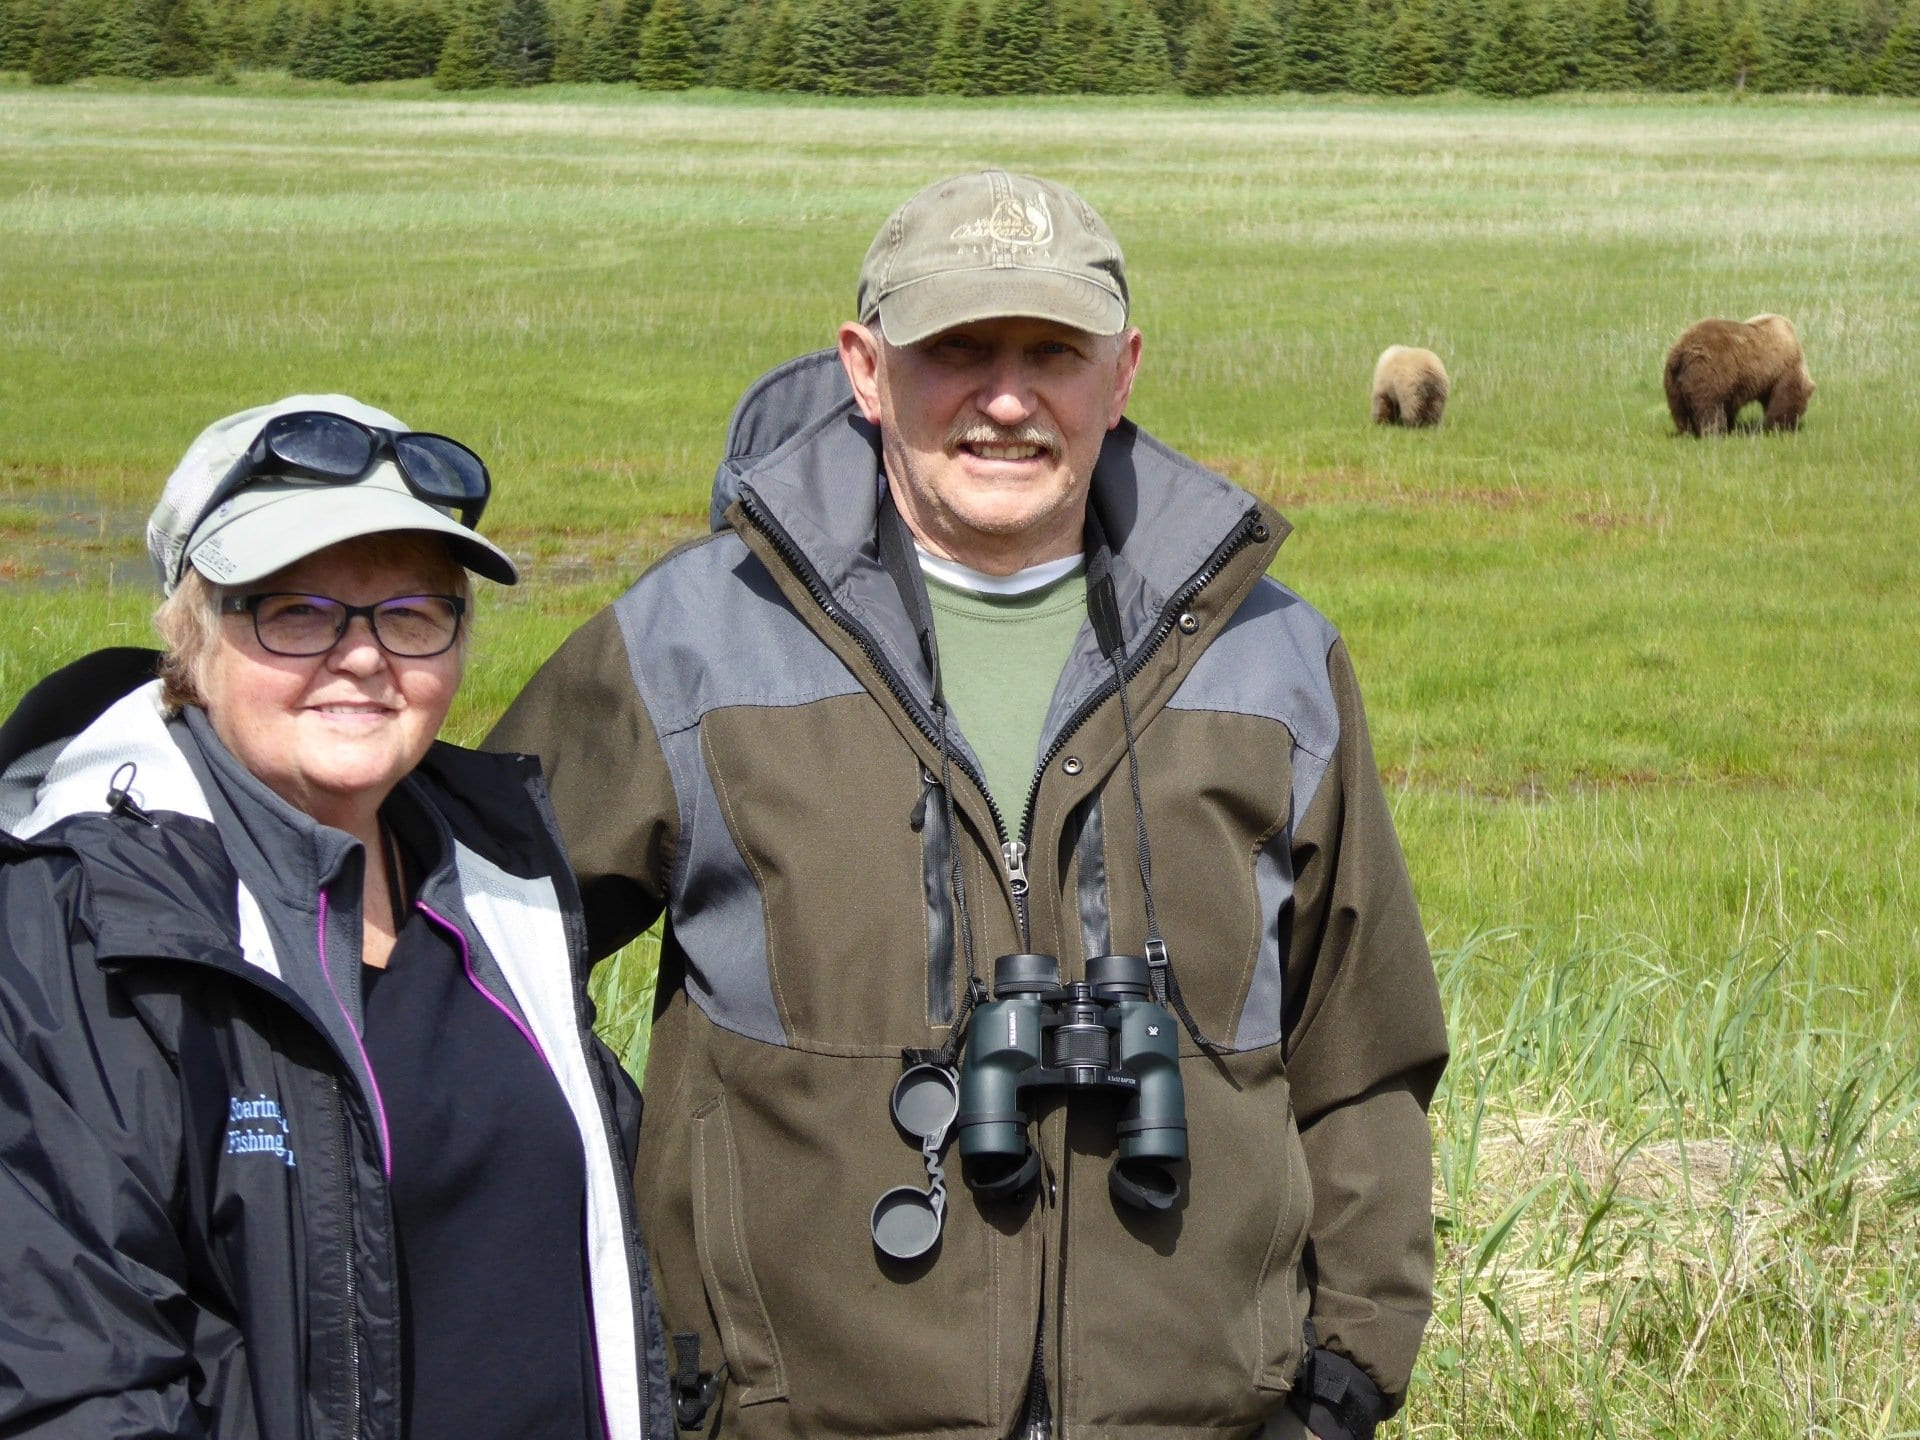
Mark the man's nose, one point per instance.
(1006, 396)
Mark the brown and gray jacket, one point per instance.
(743, 742)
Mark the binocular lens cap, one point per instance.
(905, 1223)
(925, 1100)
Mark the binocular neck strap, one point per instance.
(1103, 612)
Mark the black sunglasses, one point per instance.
(320, 445)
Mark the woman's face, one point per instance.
(333, 734)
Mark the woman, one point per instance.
(303, 1130)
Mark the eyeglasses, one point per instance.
(320, 445)
(413, 627)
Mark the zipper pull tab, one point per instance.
(120, 799)
(1014, 853)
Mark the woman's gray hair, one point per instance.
(189, 619)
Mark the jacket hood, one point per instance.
(72, 737)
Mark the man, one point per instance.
(973, 668)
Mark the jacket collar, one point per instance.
(282, 854)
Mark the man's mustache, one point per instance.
(974, 432)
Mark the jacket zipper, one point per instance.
(1012, 852)
(1237, 539)
(353, 1304)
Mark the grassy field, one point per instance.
(1649, 709)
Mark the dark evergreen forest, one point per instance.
(994, 47)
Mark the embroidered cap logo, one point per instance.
(1013, 223)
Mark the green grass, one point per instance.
(1648, 709)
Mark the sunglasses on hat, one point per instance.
(320, 445)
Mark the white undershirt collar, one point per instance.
(963, 577)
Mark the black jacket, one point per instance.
(193, 1157)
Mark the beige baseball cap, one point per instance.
(991, 245)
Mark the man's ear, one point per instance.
(1128, 367)
(860, 357)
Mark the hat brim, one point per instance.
(921, 308)
(288, 521)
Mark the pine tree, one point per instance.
(526, 42)
(1143, 64)
(312, 49)
(1651, 45)
(1315, 47)
(1366, 44)
(1014, 38)
(126, 42)
(1874, 24)
(355, 55)
(1177, 19)
(1612, 57)
(1693, 36)
(1413, 58)
(186, 40)
(772, 66)
(62, 43)
(667, 57)
(1745, 61)
(626, 34)
(1817, 38)
(471, 50)
(273, 42)
(419, 32)
(1510, 59)
(821, 62)
(1458, 23)
(733, 66)
(17, 29)
(1253, 50)
(956, 59)
(569, 25)
(1081, 52)
(1896, 71)
(920, 22)
(1563, 36)
(709, 21)
(1209, 66)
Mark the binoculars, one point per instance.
(1102, 1033)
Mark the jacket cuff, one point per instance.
(1339, 1401)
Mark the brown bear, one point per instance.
(1409, 387)
(1718, 366)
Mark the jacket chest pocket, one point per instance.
(816, 806)
(1216, 801)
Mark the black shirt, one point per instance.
(489, 1199)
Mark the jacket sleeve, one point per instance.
(95, 1318)
(1366, 1046)
(613, 796)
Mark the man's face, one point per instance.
(991, 431)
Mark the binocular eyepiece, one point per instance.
(1102, 1033)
